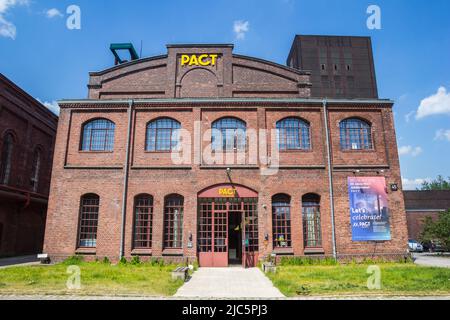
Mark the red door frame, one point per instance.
(221, 259)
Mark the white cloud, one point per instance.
(409, 115)
(7, 28)
(240, 28)
(52, 13)
(442, 135)
(438, 103)
(52, 106)
(413, 184)
(410, 150)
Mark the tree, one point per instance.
(437, 230)
(440, 183)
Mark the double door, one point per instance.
(227, 232)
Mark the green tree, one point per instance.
(440, 183)
(437, 230)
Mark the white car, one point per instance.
(415, 246)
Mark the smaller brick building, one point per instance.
(422, 204)
(27, 137)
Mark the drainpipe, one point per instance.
(125, 180)
(330, 178)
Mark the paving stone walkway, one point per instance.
(229, 283)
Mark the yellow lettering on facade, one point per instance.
(202, 60)
(227, 192)
(194, 61)
(184, 59)
(199, 60)
(213, 59)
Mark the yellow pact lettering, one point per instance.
(199, 60)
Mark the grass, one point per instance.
(97, 278)
(351, 279)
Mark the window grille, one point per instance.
(98, 135)
(293, 134)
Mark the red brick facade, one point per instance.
(422, 204)
(23, 192)
(258, 92)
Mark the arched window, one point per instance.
(281, 221)
(6, 158)
(312, 234)
(173, 222)
(293, 134)
(98, 135)
(163, 135)
(356, 134)
(143, 221)
(229, 134)
(35, 170)
(89, 207)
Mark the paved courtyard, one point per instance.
(432, 260)
(228, 283)
(19, 261)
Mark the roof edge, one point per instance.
(275, 64)
(200, 45)
(126, 64)
(227, 100)
(28, 96)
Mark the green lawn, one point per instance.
(396, 279)
(96, 279)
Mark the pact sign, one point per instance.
(199, 60)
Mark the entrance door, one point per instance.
(228, 232)
(221, 209)
(250, 233)
(220, 236)
(235, 238)
(213, 234)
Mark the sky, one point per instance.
(42, 52)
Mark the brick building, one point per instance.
(422, 204)
(209, 155)
(340, 66)
(27, 137)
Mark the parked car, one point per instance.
(415, 246)
(433, 246)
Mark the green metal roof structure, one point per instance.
(115, 47)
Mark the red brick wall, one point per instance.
(22, 210)
(416, 221)
(300, 173)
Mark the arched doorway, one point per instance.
(227, 226)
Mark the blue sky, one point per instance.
(412, 50)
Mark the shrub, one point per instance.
(157, 262)
(297, 261)
(135, 260)
(303, 290)
(123, 261)
(106, 260)
(74, 260)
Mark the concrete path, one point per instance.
(432, 260)
(89, 298)
(106, 298)
(18, 261)
(228, 283)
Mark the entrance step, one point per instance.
(229, 283)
